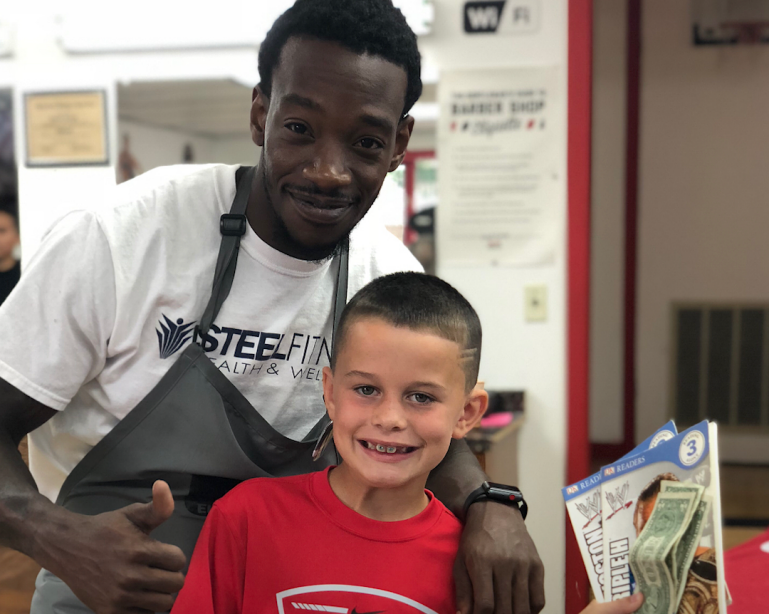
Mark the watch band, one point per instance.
(501, 493)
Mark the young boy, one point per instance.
(365, 536)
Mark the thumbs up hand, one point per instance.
(110, 562)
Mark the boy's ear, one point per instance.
(328, 391)
(476, 404)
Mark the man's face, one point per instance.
(330, 131)
(9, 235)
(397, 397)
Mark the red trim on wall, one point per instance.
(631, 214)
(578, 152)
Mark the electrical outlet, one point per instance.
(536, 303)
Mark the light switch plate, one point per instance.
(535, 308)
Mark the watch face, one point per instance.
(503, 491)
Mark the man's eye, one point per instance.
(369, 143)
(366, 391)
(297, 127)
(421, 398)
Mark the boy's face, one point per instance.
(397, 398)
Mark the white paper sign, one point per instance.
(499, 170)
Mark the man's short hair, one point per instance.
(373, 27)
(418, 302)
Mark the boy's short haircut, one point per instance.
(419, 302)
(373, 27)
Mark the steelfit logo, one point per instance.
(487, 17)
(172, 336)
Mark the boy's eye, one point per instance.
(421, 398)
(366, 391)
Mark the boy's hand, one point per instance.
(621, 606)
(110, 562)
(498, 569)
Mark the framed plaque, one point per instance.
(66, 128)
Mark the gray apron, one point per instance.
(194, 430)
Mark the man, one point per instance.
(10, 270)
(124, 289)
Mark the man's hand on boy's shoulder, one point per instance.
(498, 569)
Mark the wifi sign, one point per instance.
(501, 17)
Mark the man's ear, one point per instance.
(402, 136)
(328, 391)
(260, 104)
(476, 404)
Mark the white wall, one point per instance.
(519, 355)
(607, 270)
(703, 193)
(152, 146)
(236, 150)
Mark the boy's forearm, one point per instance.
(456, 477)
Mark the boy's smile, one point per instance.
(397, 397)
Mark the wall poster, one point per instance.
(500, 183)
(66, 128)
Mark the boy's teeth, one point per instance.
(387, 449)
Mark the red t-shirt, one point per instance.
(283, 545)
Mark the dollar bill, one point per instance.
(648, 557)
(687, 546)
(676, 552)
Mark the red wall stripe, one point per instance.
(631, 214)
(580, 44)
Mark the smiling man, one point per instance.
(181, 333)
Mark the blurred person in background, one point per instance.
(10, 268)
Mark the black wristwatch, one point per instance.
(502, 493)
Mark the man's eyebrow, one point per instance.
(376, 121)
(302, 101)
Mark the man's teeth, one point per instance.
(386, 449)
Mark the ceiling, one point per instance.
(208, 108)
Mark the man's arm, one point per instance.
(107, 560)
(497, 569)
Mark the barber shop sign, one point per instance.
(502, 17)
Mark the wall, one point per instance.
(519, 355)
(153, 146)
(607, 272)
(703, 194)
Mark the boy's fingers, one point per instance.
(463, 587)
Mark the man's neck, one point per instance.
(7, 263)
(385, 504)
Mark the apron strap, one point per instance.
(233, 226)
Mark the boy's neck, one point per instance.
(384, 504)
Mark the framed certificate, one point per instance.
(66, 128)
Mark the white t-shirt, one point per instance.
(111, 298)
